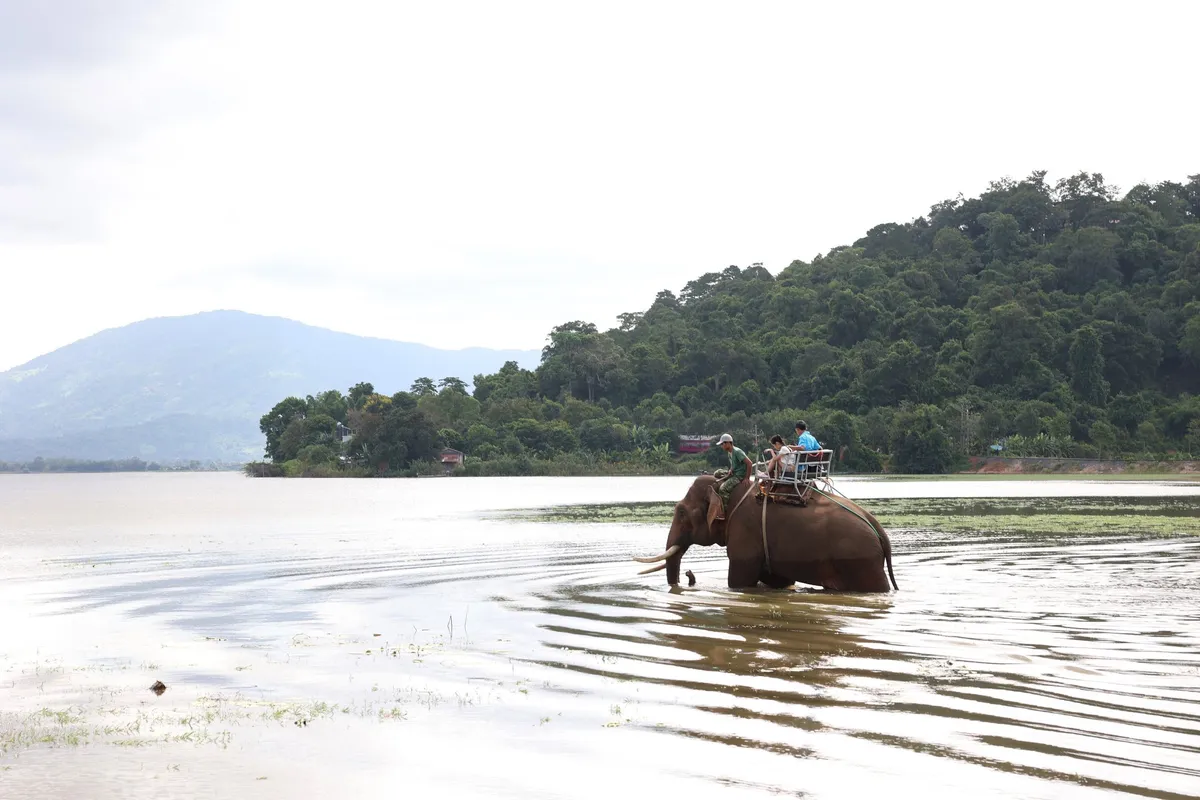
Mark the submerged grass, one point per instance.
(208, 722)
(213, 720)
(1166, 473)
(653, 513)
(1158, 516)
(1048, 523)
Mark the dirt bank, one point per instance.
(1083, 466)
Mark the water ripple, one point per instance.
(1067, 666)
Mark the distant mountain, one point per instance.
(194, 387)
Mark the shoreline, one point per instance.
(981, 468)
(1082, 467)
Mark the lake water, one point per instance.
(330, 638)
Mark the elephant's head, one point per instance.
(689, 526)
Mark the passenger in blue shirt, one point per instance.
(804, 439)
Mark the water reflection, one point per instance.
(1030, 655)
(1050, 664)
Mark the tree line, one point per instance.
(1042, 319)
(40, 464)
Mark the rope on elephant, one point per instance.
(742, 499)
(754, 485)
(829, 485)
(766, 548)
(851, 510)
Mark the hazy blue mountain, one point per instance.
(195, 386)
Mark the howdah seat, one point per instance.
(792, 478)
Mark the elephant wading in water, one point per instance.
(823, 543)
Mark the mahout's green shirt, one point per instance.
(737, 462)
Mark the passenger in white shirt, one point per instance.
(780, 466)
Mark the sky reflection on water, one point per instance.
(320, 638)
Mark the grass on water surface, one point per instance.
(1159, 516)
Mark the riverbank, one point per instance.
(1078, 466)
(64, 465)
(570, 467)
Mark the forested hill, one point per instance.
(1043, 309)
(1054, 319)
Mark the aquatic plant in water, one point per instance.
(1157, 516)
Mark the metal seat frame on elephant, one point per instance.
(797, 471)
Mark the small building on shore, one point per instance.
(451, 458)
(695, 442)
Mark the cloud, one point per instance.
(368, 166)
(81, 32)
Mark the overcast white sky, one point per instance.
(473, 173)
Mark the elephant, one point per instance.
(824, 543)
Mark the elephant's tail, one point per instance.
(886, 542)
(887, 558)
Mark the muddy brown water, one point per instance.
(333, 638)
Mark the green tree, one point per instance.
(1149, 436)
(451, 408)
(479, 435)
(1105, 437)
(1086, 362)
(1189, 342)
(919, 443)
(358, 395)
(404, 400)
(1028, 423)
(1093, 259)
(604, 435)
(1082, 196)
(314, 454)
(423, 387)
(449, 437)
(560, 438)
(394, 438)
(276, 421)
(1193, 436)
(582, 362)
(1004, 238)
(511, 382)
(839, 433)
(531, 434)
(1004, 342)
(302, 432)
(330, 403)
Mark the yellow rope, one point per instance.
(848, 508)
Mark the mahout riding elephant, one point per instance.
(832, 544)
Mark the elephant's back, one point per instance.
(844, 528)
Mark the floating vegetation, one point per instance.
(206, 724)
(619, 513)
(1167, 516)
(1064, 516)
(1060, 524)
(213, 719)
